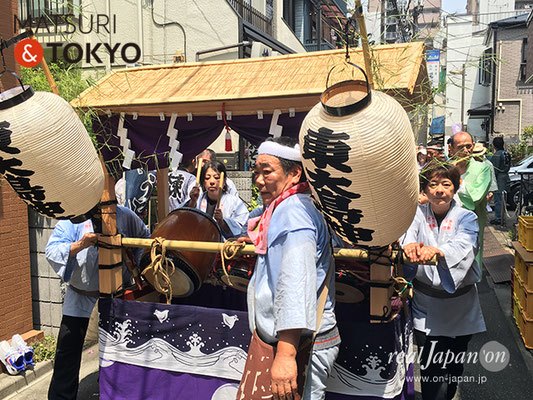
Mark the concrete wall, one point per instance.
(282, 31)
(511, 117)
(47, 289)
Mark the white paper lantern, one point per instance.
(358, 152)
(46, 154)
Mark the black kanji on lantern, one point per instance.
(18, 177)
(326, 147)
(5, 139)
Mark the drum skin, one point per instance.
(192, 267)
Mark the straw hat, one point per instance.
(359, 155)
(51, 161)
(479, 150)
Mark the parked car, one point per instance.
(526, 165)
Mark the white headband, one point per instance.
(280, 151)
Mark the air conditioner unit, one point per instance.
(260, 50)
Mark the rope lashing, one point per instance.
(162, 268)
(230, 250)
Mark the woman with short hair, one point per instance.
(446, 309)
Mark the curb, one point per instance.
(10, 384)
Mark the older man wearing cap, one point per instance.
(475, 182)
(435, 150)
(294, 255)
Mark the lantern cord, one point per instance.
(224, 117)
(107, 246)
(346, 38)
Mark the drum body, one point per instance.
(239, 271)
(350, 282)
(191, 267)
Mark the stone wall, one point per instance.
(47, 289)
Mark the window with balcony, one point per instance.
(252, 15)
(54, 11)
(288, 13)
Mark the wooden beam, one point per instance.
(110, 279)
(162, 194)
(381, 271)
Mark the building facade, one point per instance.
(529, 49)
(512, 95)
(469, 69)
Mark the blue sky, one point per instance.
(451, 6)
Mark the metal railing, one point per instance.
(33, 10)
(252, 15)
(312, 45)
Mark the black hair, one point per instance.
(437, 169)
(288, 165)
(185, 164)
(498, 142)
(215, 166)
(434, 142)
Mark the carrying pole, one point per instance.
(364, 41)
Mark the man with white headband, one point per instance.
(294, 254)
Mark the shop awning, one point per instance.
(483, 111)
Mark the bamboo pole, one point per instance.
(199, 170)
(47, 73)
(364, 41)
(249, 249)
(220, 187)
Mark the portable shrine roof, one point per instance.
(246, 86)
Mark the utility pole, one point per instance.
(463, 73)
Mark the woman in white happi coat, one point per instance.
(446, 309)
(231, 215)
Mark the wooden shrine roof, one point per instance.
(248, 85)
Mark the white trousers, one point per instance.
(321, 365)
